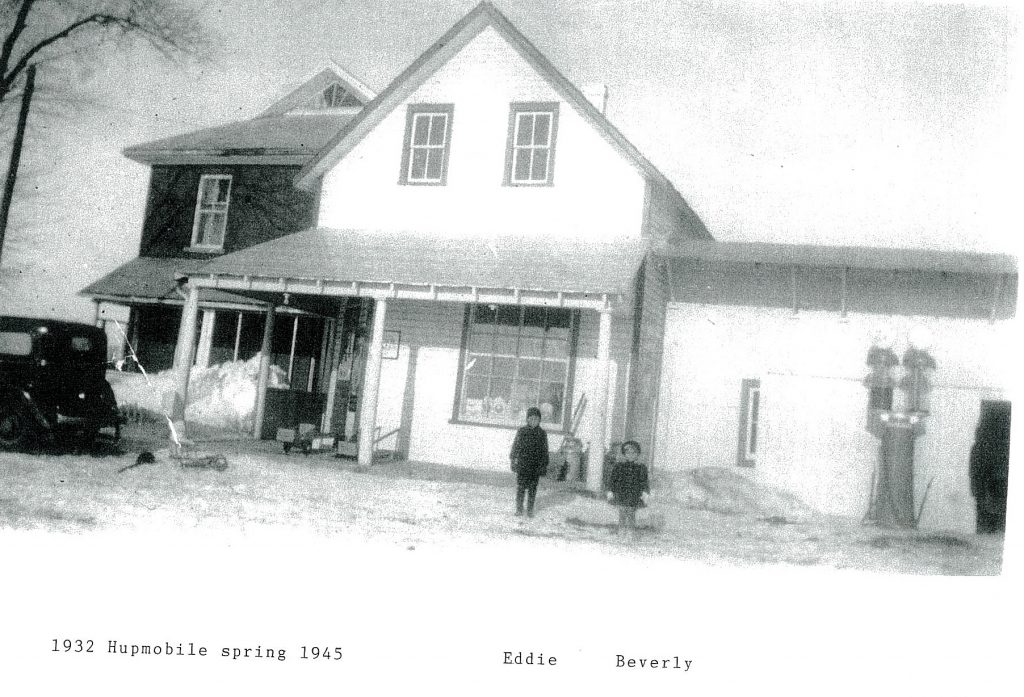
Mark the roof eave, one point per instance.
(218, 157)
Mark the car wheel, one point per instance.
(14, 427)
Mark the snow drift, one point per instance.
(221, 397)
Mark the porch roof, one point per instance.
(152, 280)
(327, 261)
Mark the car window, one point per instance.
(81, 344)
(16, 343)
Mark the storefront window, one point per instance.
(515, 357)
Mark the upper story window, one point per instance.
(211, 211)
(530, 155)
(428, 129)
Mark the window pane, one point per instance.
(209, 188)
(504, 367)
(478, 365)
(420, 129)
(499, 404)
(481, 342)
(524, 396)
(555, 370)
(551, 398)
(529, 369)
(540, 164)
(438, 129)
(505, 345)
(531, 347)
(508, 315)
(211, 229)
(556, 348)
(16, 343)
(559, 318)
(476, 387)
(485, 314)
(541, 129)
(223, 186)
(435, 159)
(522, 165)
(534, 317)
(524, 129)
(418, 168)
(81, 344)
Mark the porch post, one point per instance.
(205, 339)
(595, 466)
(185, 353)
(266, 358)
(371, 386)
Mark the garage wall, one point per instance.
(813, 439)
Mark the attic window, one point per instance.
(530, 154)
(335, 96)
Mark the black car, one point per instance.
(53, 384)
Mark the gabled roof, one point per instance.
(385, 257)
(316, 83)
(880, 258)
(454, 40)
(285, 133)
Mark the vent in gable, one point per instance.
(334, 96)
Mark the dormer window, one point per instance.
(334, 96)
(530, 155)
(427, 142)
(211, 212)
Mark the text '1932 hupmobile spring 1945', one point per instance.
(53, 384)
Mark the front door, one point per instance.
(349, 364)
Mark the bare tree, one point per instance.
(34, 31)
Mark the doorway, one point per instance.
(990, 465)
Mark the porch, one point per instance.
(438, 345)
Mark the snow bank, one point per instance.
(724, 491)
(220, 397)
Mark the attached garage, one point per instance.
(765, 366)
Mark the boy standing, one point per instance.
(628, 486)
(529, 458)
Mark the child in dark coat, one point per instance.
(628, 486)
(529, 458)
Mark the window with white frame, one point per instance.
(750, 415)
(427, 142)
(529, 160)
(515, 357)
(211, 211)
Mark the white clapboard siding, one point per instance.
(813, 439)
(418, 394)
(597, 194)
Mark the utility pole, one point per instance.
(19, 138)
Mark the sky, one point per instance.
(824, 123)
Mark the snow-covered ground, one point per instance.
(711, 516)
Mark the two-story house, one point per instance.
(219, 190)
(486, 241)
(498, 229)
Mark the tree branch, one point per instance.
(166, 28)
(20, 22)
